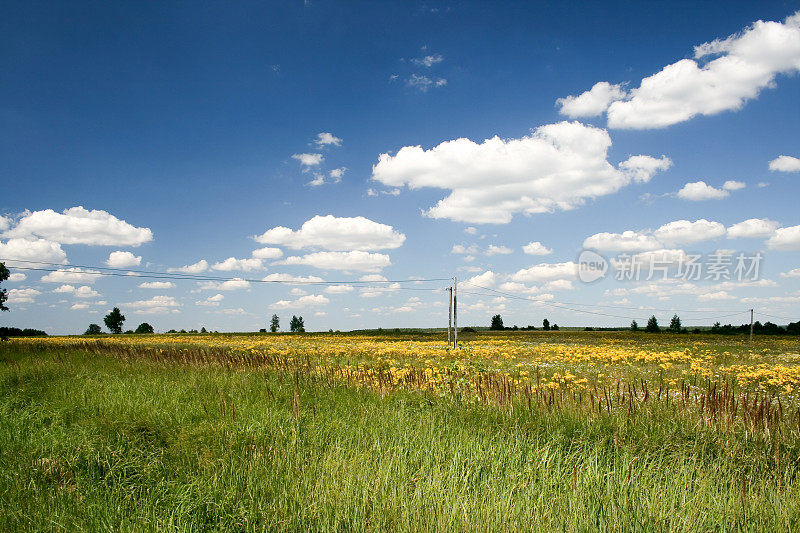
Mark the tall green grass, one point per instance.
(89, 442)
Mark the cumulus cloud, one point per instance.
(267, 253)
(753, 228)
(428, 61)
(423, 83)
(157, 285)
(85, 291)
(335, 233)
(356, 260)
(627, 241)
(793, 273)
(463, 249)
(232, 263)
(64, 289)
(327, 139)
(157, 305)
(211, 301)
(234, 284)
(31, 249)
(339, 289)
(487, 279)
(536, 248)
(699, 190)
(17, 276)
(498, 250)
(785, 239)
(311, 300)
(196, 268)
(5, 223)
(288, 278)
(22, 296)
(77, 225)
(785, 163)
(686, 232)
(557, 167)
(308, 160)
(544, 272)
(123, 260)
(72, 275)
(733, 185)
(591, 103)
(746, 63)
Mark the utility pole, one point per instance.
(751, 326)
(449, 313)
(455, 313)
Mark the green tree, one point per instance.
(114, 320)
(652, 325)
(3, 294)
(634, 326)
(93, 329)
(675, 324)
(296, 324)
(497, 323)
(546, 325)
(554, 327)
(144, 327)
(274, 323)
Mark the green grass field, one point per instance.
(96, 441)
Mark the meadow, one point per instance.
(574, 431)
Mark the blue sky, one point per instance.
(173, 128)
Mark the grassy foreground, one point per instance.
(95, 442)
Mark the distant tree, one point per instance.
(203, 330)
(93, 329)
(554, 327)
(274, 323)
(546, 325)
(4, 274)
(675, 324)
(634, 326)
(114, 321)
(296, 325)
(497, 323)
(144, 327)
(652, 325)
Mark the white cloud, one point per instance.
(32, 250)
(371, 278)
(79, 306)
(319, 179)
(748, 62)
(785, 239)
(337, 173)
(464, 249)
(471, 230)
(592, 102)
(686, 232)
(308, 160)
(546, 272)
(423, 83)
(327, 139)
(558, 285)
(157, 305)
(267, 253)
(355, 260)
(312, 300)
(79, 226)
(5, 223)
(64, 289)
(627, 241)
(699, 190)
(339, 289)
(536, 248)
(753, 228)
(516, 287)
(785, 163)
(232, 263)
(157, 285)
(297, 291)
(428, 61)
(335, 233)
(558, 166)
(714, 296)
(211, 301)
(288, 278)
(234, 284)
(498, 250)
(123, 260)
(85, 292)
(71, 275)
(196, 268)
(487, 279)
(22, 296)
(733, 185)
(238, 311)
(17, 276)
(794, 273)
